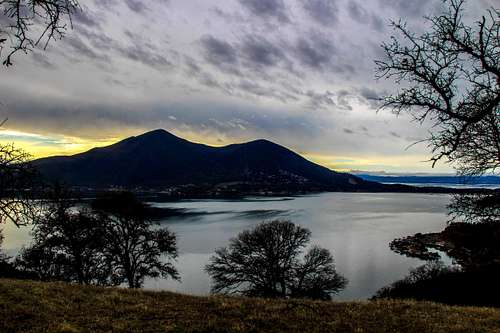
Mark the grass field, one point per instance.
(59, 307)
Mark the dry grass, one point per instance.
(58, 307)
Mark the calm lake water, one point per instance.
(356, 227)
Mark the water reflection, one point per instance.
(356, 227)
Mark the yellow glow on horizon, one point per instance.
(404, 162)
(46, 145)
(39, 146)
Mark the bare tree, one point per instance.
(316, 276)
(265, 262)
(27, 24)
(68, 244)
(17, 182)
(135, 247)
(451, 76)
(475, 208)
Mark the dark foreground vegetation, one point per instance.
(59, 307)
(449, 285)
(474, 247)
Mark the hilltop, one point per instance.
(159, 159)
(33, 307)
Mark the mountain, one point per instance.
(159, 159)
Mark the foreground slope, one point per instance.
(159, 159)
(58, 307)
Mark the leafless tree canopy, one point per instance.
(265, 262)
(68, 243)
(450, 76)
(475, 208)
(17, 181)
(136, 247)
(27, 24)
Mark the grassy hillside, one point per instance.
(58, 307)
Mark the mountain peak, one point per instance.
(156, 132)
(158, 135)
(158, 159)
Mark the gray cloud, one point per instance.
(260, 52)
(89, 118)
(358, 13)
(323, 11)
(85, 17)
(316, 52)
(42, 60)
(137, 6)
(408, 9)
(321, 100)
(232, 72)
(372, 97)
(219, 52)
(275, 9)
(82, 49)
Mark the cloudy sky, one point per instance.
(297, 72)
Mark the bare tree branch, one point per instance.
(27, 24)
(451, 77)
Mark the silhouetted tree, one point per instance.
(316, 276)
(451, 76)
(44, 263)
(26, 24)
(475, 208)
(265, 262)
(68, 244)
(136, 247)
(17, 182)
(451, 285)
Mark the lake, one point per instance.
(356, 227)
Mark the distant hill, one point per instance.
(159, 159)
(429, 180)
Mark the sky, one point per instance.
(300, 73)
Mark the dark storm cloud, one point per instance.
(86, 18)
(90, 118)
(408, 9)
(324, 12)
(93, 42)
(315, 52)
(260, 52)
(267, 9)
(144, 55)
(358, 13)
(219, 52)
(321, 100)
(370, 94)
(371, 97)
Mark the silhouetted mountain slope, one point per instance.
(159, 159)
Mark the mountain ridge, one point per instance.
(160, 159)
